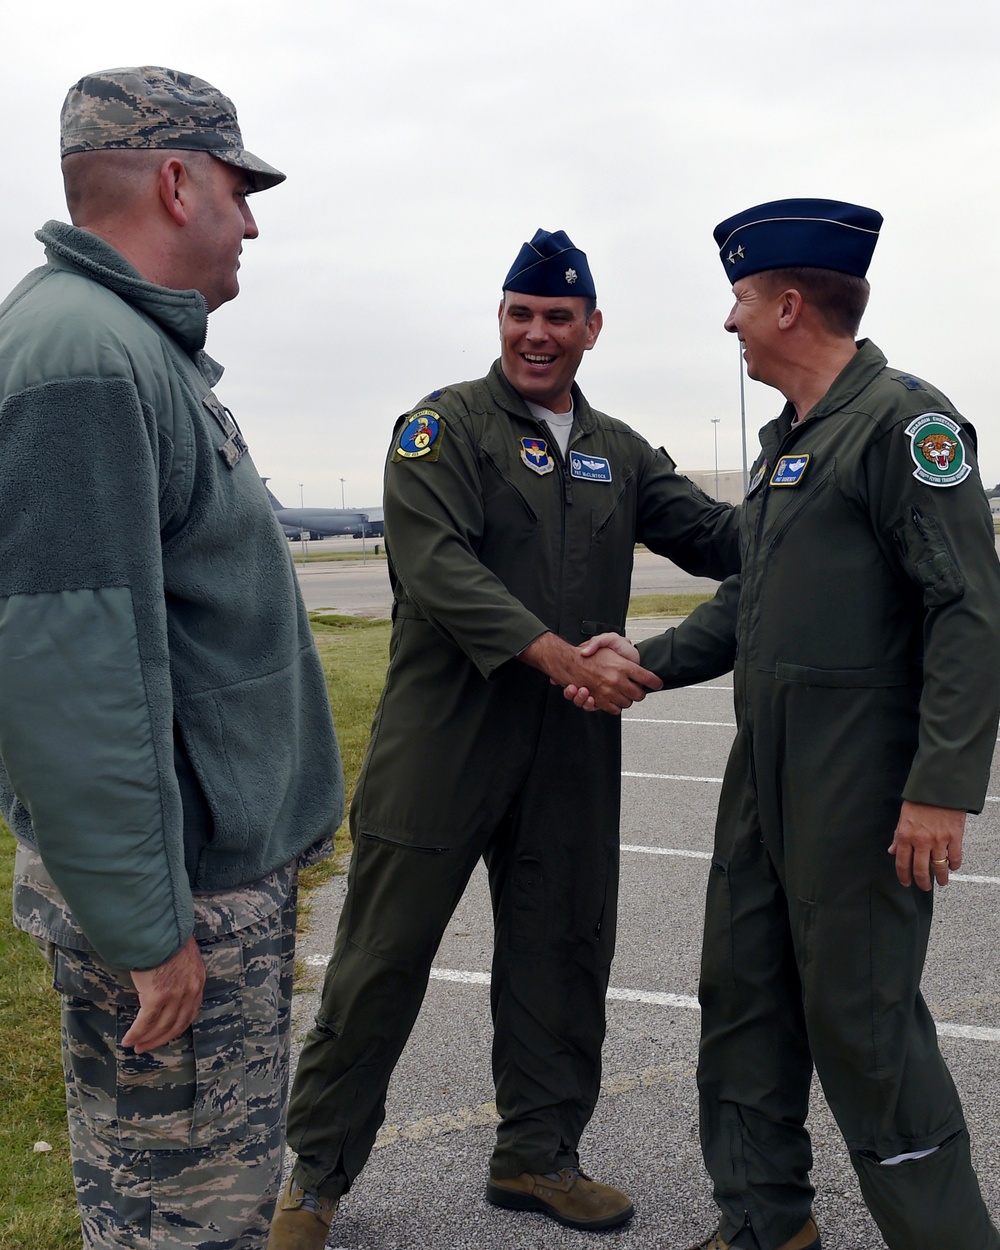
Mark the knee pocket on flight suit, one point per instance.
(401, 896)
(718, 965)
(189, 1093)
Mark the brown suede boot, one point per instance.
(807, 1238)
(301, 1220)
(568, 1196)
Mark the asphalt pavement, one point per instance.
(423, 1186)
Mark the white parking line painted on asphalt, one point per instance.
(684, 1001)
(687, 1002)
(671, 777)
(653, 720)
(962, 877)
(972, 1031)
(662, 850)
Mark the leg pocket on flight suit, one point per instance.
(188, 1093)
(717, 961)
(530, 922)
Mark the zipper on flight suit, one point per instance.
(565, 500)
(747, 601)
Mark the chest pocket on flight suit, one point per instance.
(507, 509)
(616, 505)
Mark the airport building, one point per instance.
(730, 483)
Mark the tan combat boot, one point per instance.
(301, 1220)
(568, 1196)
(807, 1238)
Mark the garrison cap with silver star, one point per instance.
(782, 234)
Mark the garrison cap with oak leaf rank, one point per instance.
(153, 107)
(550, 266)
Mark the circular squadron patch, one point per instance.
(937, 450)
(420, 435)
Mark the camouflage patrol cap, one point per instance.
(153, 107)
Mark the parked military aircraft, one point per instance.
(324, 522)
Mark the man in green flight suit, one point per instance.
(512, 509)
(867, 680)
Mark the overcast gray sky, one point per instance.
(424, 141)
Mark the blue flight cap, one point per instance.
(550, 265)
(782, 234)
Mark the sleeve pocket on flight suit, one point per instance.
(189, 1093)
(927, 559)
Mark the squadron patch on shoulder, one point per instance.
(420, 436)
(937, 450)
(790, 470)
(589, 468)
(535, 454)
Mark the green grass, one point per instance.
(314, 557)
(665, 605)
(37, 1206)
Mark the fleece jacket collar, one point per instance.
(183, 314)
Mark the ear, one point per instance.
(503, 300)
(790, 305)
(174, 184)
(594, 326)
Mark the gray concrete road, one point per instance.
(423, 1185)
(353, 588)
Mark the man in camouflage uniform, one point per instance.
(167, 756)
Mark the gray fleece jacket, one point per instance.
(164, 725)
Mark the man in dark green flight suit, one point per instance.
(867, 679)
(512, 509)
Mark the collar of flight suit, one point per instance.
(866, 364)
(511, 401)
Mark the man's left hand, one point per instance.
(169, 999)
(927, 843)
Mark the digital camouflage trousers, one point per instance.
(182, 1147)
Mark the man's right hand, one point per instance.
(607, 643)
(169, 999)
(609, 675)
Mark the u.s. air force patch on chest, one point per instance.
(937, 450)
(535, 454)
(420, 436)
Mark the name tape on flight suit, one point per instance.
(789, 470)
(589, 468)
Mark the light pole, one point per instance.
(743, 418)
(342, 504)
(715, 430)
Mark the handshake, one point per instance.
(601, 675)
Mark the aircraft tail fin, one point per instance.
(274, 503)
